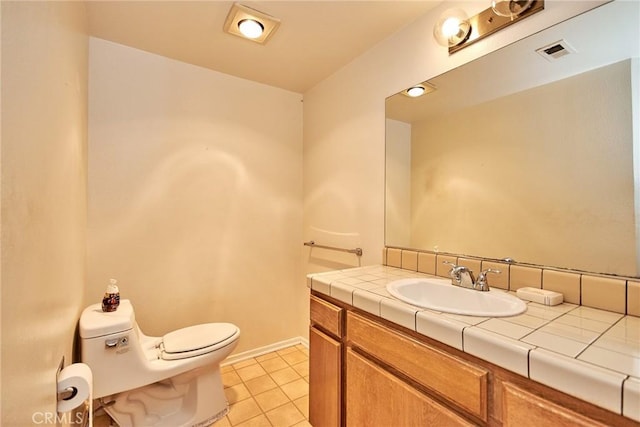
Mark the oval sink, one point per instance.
(441, 295)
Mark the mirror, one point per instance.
(526, 156)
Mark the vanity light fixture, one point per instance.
(419, 90)
(250, 24)
(456, 32)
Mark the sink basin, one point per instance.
(441, 295)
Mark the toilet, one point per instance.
(141, 381)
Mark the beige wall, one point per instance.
(194, 196)
(344, 126)
(484, 180)
(397, 221)
(44, 104)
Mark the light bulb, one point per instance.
(452, 28)
(416, 91)
(250, 28)
(510, 8)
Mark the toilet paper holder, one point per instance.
(67, 394)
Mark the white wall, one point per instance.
(44, 125)
(344, 125)
(195, 184)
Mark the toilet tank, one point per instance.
(110, 346)
(96, 323)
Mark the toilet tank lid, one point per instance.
(96, 323)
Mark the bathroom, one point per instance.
(147, 207)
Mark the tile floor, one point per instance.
(271, 390)
(268, 390)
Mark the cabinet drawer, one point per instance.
(377, 398)
(326, 315)
(521, 408)
(458, 381)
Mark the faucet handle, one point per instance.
(481, 283)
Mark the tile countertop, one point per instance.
(585, 352)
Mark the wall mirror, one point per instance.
(523, 155)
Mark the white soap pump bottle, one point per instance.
(111, 299)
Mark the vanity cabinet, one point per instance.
(521, 408)
(325, 363)
(367, 371)
(375, 397)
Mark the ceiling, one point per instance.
(315, 39)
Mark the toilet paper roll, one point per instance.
(76, 383)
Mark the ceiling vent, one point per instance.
(556, 50)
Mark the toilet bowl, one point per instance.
(141, 380)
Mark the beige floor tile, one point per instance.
(302, 403)
(286, 350)
(259, 421)
(229, 379)
(260, 384)
(285, 415)
(303, 423)
(237, 393)
(302, 368)
(274, 364)
(224, 422)
(243, 411)
(251, 371)
(271, 399)
(295, 357)
(296, 389)
(226, 368)
(244, 363)
(284, 376)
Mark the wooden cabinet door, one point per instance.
(374, 397)
(325, 364)
(521, 409)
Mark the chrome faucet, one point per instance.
(463, 277)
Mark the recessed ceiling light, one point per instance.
(250, 24)
(250, 29)
(419, 90)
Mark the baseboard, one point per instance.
(239, 357)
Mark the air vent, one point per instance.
(556, 50)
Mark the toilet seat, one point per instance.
(197, 340)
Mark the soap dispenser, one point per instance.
(111, 299)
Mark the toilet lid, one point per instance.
(197, 339)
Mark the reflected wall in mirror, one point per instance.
(516, 155)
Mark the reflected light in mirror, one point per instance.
(416, 91)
